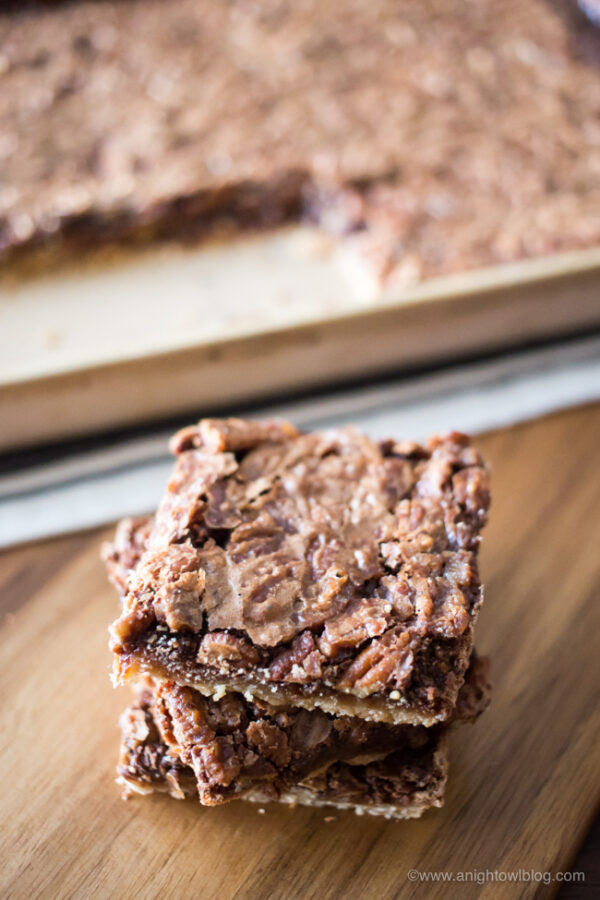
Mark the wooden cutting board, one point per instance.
(524, 781)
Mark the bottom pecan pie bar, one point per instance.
(176, 740)
(402, 785)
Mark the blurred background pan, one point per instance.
(172, 331)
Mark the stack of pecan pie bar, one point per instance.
(297, 618)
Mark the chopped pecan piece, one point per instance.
(138, 724)
(215, 764)
(178, 586)
(181, 717)
(270, 742)
(218, 646)
(423, 598)
(181, 513)
(471, 489)
(228, 715)
(454, 617)
(167, 587)
(415, 550)
(300, 662)
(407, 450)
(187, 438)
(240, 434)
(435, 476)
(232, 434)
(124, 552)
(399, 595)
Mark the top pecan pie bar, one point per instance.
(314, 570)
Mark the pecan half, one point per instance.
(362, 620)
(220, 646)
(387, 661)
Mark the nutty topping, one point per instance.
(237, 434)
(145, 756)
(471, 488)
(182, 511)
(215, 763)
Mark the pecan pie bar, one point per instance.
(176, 740)
(402, 785)
(312, 570)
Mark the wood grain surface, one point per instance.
(524, 782)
